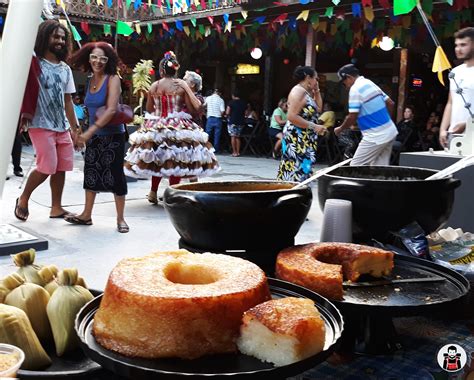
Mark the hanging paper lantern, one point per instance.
(256, 53)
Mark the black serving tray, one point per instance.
(411, 298)
(73, 364)
(236, 366)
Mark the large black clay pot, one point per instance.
(388, 198)
(246, 215)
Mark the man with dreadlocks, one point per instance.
(170, 144)
(54, 123)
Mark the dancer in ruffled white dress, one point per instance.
(170, 144)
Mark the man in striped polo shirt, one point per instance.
(371, 108)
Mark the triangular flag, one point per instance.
(281, 19)
(356, 10)
(165, 26)
(440, 63)
(201, 29)
(244, 14)
(208, 31)
(124, 28)
(107, 30)
(401, 7)
(179, 25)
(329, 12)
(85, 27)
(75, 33)
(303, 15)
(366, 3)
(228, 27)
(369, 14)
(336, 2)
(138, 28)
(226, 18)
(193, 21)
(149, 27)
(211, 19)
(186, 30)
(128, 3)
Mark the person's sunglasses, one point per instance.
(100, 58)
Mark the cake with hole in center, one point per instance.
(322, 267)
(177, 304)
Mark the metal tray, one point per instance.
(411, 298)
(229, 365)
(73, 364)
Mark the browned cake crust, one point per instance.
(177, 304)
(321, 266)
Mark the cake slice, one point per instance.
(282, 331)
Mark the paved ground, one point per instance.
(94, 250)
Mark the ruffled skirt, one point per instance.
(171, 146)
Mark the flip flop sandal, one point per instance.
(60, 216)
(123, 228)
(21, 213)
(75, 220)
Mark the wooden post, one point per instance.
(310, 56)
(267, 85)
(402, 83)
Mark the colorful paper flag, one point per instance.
(149, 27)
(303, 15)
(329, 12)
(440, 63)
(85, 27)
(75, 33)
(107, 30)
(179, 25)
(124, 28)
(336, 2)
(244, 14)
(369, 14)
(401, 7)
(193, 21)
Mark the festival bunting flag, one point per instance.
(244, 14)
(356, 10)
(440, 63)
(124, 28)
(303, 15)
(75, 33)
(85, 27)
(329, 12)
(107, 30)
(138, 28)
(401, 7)
(369, 14)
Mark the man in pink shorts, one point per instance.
(50, 130)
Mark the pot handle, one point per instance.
(452, 183)
(289, 199)
(344, 189)
(179, 201)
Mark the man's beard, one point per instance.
(60, 54)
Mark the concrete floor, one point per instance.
(95, 250)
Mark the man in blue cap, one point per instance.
(370, 107)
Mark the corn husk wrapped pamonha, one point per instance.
(16, 329)
(27, 268)
(32, 299)
(62, 308)
(49, 273)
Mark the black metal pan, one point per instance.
(234, 366)
(411, 298)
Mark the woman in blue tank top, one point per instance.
(105, 143)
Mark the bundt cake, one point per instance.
(177, 304)
(282, 331)
(322, 266)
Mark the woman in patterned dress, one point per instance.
(105, 143)
(301, 131)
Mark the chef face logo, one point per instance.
(452, 357)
